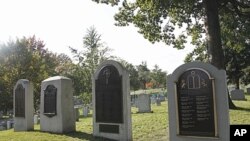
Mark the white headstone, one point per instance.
(85, 111)
(158, 102)
(144, 105)
(36, 120)
(153, 100)
(8, 125)
(57, 108)
(2, 128)
(198, 103)
(111, 102)
(237, 95)
(23, 106)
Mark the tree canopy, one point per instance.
(160, 21)
(24, 58)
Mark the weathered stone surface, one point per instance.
(144, 105)
(111, 102)
(198, 103)
(23, 105)
(248, 90)
(58, 115)
(237, 95)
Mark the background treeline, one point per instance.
(27, 58)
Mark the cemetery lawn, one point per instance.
(146, 127)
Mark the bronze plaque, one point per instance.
(195, 104)
(50, 101)
(105, 128)
(108, 89)
(20, 101)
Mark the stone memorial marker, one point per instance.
(144, 105)
(153, 100)
(57, 108)
(132, 97)
(237, 95)
(158, 101)
(36, 119)
(2, 127)
(111, 102)
(85, 111)
(77, 113)
(198, 103)
(8, 125)
(23, 105)
(248, 90)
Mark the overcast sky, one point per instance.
(63, 23)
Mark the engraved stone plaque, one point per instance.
(109, 96)
(50, 101)
(195, 104)
(20, 101)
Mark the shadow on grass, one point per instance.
(77, 134)
(86, 136)
(243, 109)
(89, 115)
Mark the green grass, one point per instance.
(145, 126)
(242, 114)
(150, 126)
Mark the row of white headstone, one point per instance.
(197, 104)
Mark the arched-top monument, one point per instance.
(111, 102)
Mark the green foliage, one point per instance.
(159, 20)
(237, 66)
(93, 53)
(235, 31)
(86, 98)
(143, 74)
(22, 59)
(133, 74)
(25, 58)
(159, 78)
(173, 21)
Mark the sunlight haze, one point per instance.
(63, 23)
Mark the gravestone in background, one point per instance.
(153, 100)
(237, 95)
(111, 101)
(133, 100)
(144, 105)
(23, 105)
(85, 111)
(248, 90)
(36, 119)
(77, 113)
(57, 108)
(198, 103)
(158, 102)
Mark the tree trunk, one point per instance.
(237, 81)
(215, 51)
